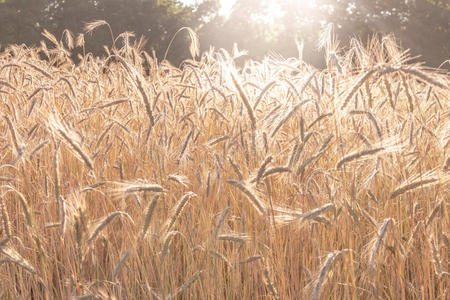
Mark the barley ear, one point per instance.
(185, 285)
(177, 211)
(222, 217)
(325, 268)
(103, 223)
(376, 247)
(244, 99)
(119, 265)
(148, 215)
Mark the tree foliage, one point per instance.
(422, 25)
(22, 21)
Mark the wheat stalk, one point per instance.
(376, 247)
(62, 214)
(37, 148)
(220, 221)
(103, 223)
(356, 86)
(258, 204)
(186, 285)
(5, 220)
(261, 169)
(434, 212)
(56, 170)
(267, 274)
(371, 117)
(285, 119)
(308, 161)
(274, 170)
(148, 215)
(325, 268)
(236, 168)
(13, 256)
(186, 142)
(77, 149)
(145, 99)
(237, 238)
(436, 257)
(40, 70)
(194, 48)
(265, 89)
(119, 265)
(25, 206)
(413, 236)
(18, 148)
(407, 187)
(166, 243)
(315, 212)
(245, 100)
(177, 211)
(143, 187)
(251, 259)
(356, 155)
(413, 71)
(318, 119)
(218, 140)
(91, 26)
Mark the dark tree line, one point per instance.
(422, 25)
(22, 21)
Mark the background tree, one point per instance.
(21, 21)
(156, 20)
(422, 25)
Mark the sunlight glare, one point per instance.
(227, 6)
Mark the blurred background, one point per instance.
(260, 26)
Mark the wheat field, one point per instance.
(127, 178)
